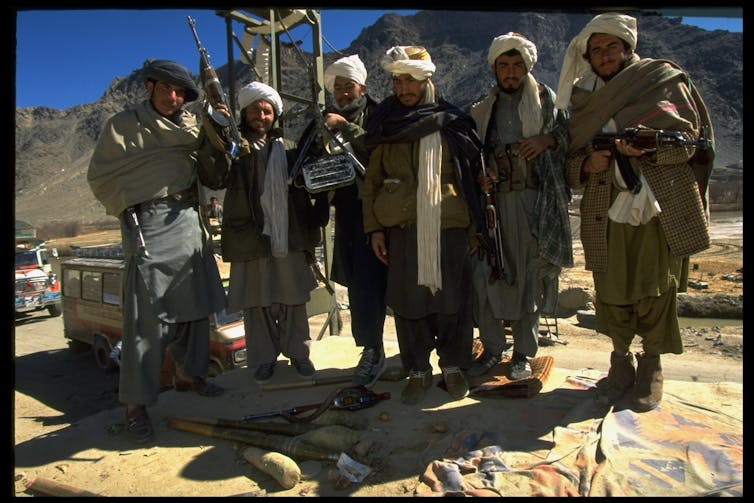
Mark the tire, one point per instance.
(101, 349)
(55, 310)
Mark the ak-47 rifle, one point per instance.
(216, 96)
(349, 398)
(496, 258)
(648, 140)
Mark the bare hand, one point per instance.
(334, 121)
(624, 148)
(530, 148)
(597, 162)
(485, 182)
(222, 109)
(379, 246)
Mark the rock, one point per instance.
(718, 305)
(574, 298)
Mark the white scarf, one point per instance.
(274, 199)
(428, 206)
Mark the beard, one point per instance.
(352, 109)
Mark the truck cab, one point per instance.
(36, 286)
(93, 316)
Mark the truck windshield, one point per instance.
(26, 258)
(224, 317)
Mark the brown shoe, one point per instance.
(418, 384)
(619, 379)
(455, 382)
(647, 391)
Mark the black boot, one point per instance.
(647, 391)
(619, 379)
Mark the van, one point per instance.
(93, 318)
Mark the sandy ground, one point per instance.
(91, 454)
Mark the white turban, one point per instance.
(504, 43)
(259, 91)
(411, 59)
(574, 64)
(349, 67)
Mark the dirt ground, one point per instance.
(90, 453)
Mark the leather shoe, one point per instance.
(198, 385)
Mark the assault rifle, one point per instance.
(349, 398)
(216, 96)
(648, 140)
(496, 258)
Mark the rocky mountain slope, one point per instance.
(53, 147)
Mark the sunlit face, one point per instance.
(166, 98)
(345, 91)
(606, 54)
(259, 116)
(510, 72)
(408, 90)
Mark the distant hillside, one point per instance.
(53, 147)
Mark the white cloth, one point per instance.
(274, 199)
(349, 67)
(396, 61)
(258, 91)
(530, 106)
(428, 206)
(504, 43)
(634, 209)
(575, 66)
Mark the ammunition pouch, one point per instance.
(513, 172)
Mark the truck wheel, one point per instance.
(102, 349)
(55, 310)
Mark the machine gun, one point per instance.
(496, 258)
(216, 96)
(648, 140)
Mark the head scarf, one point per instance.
(504, 43)
(349, 67)
(411, 59)
(574, 64)
(172, 73)
(530, 106)
(259, 91)
(415, 61)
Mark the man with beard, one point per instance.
(526, 140)
(354, 264)
(421, 174)
(144, 170)
(637, 240)
(269, 234)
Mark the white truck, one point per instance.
(37, 287)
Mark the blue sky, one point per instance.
(87, 49)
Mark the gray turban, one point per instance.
(172, 73)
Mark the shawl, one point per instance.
(141, 156)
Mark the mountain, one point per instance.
(53, 147)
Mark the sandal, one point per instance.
(138, 426)
(198, 385)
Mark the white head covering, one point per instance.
(530, 106)
(504, 43)
(259, 91)
(349, 67)
(574, 64)
(411, 59)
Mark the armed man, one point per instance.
(636, 242)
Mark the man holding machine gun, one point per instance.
(525, 142)
(269, 233)
(144, 170)
(636, 243)
(354, 263)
